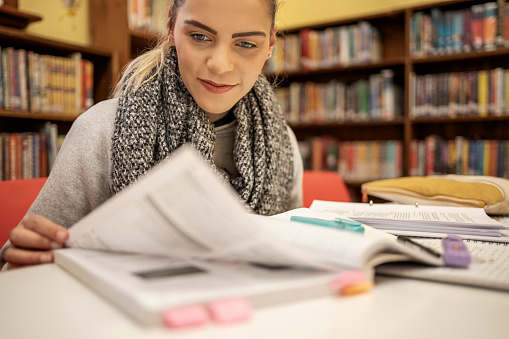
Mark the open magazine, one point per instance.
(180, 236)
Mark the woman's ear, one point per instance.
(169, 29)
(272, 42)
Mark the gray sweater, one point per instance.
(80, 178)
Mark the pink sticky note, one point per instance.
(186, 316)
(348, 278)
(229, 311)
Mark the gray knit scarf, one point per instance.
(161, 116)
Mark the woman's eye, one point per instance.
(246, 45)
(200, 37)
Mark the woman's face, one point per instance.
(222, 46)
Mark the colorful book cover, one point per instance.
(483, 91)
(457, 31)
(499, 35)
(418, 33)
(2, 79)
(14, 156)
(490, 25)
(7, 75)
(22, 74)
(434, 22)
(506, 25)
(467, 30)
(477, 27)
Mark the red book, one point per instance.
(14, 156)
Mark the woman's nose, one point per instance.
(220, 61)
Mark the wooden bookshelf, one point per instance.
(395, 31)
(110, 29)
(102, 59)
(27, 147)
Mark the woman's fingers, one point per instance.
(33, 240)
(45, 228)
(20, 257)
(22, 237)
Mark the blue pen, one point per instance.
(338, 223)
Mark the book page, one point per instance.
(438, 219)
(146, 286)
(489, 267)
(181, 209)
(344, 248)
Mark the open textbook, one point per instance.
(490, 265)
(180, 236)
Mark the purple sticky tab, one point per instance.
(455, 251)
(187, 316)
(229, 311)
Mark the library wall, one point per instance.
(299, 13)
(67, 24)
(59, 24)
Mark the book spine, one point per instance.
(2, 80)
(2, 157)
(490, 25)
(477, 26)
(499, 35)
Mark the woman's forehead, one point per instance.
(232, 15)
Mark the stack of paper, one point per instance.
(430, 219)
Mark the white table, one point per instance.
(46, 302)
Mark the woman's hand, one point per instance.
(33, 240)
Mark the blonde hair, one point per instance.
(138, 71)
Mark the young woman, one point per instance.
(202, 85)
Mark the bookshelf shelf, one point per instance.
(460, 120)
(398, 39)
(348, 124)
(11, 16)
(38, 116)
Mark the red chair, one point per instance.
(324, 185)
(16, 197)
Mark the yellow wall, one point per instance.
(58, 23)
(296, 13)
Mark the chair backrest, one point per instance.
(16, 197)
(324, 185)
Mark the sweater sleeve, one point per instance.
(79, 179)
(298, 172)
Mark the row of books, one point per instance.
(356, 161)
(340, 46)
(481, 27)
(147, 15)
(435, 155)
(475, 93)
(38, 83)
(30, 154)
(375, 99)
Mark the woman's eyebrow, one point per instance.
(213, 31)
(200, 25)
(243, 34)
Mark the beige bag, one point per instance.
(490, 193)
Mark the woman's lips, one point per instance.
(212, 87)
